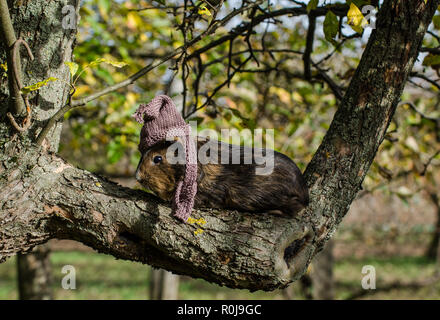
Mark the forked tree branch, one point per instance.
(42, 197)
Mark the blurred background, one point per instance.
(248, 82)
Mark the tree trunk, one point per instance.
(50, 47)
(35, 274)
(433, 248)
(43, 197)
(322, 274)
(163, 285)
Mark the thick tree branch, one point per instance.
(56, 200)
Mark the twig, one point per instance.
(196, 83)
(17, 77)
(332, 52)
(430, 50)
(245, 26)
(422, 76)
(214, 92)
(185, 74)
(77, 103)
(434, 35)
(424, 116)
(157, 8)
(212, 27)
(333, 86)
(248, 36)
(426, 165)
(8, 37)
(400, 174)
(309, 47)
(15, 65)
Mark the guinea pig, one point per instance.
(243, 182)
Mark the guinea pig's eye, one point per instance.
(157, 159)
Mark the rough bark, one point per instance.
(43, 197)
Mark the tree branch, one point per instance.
(235, 249)
(309, 47)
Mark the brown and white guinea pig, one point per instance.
(250, 185)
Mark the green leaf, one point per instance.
(313, 4)
(331, 27)
(38, 85)
(114, 151)
(198, 119)
(432, 60)
(73, 67)
(436, 21)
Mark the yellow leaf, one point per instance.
(356, 19)
(4, 66)
(73, 67)
(117, 64)
(143, 37)
(204, 10)
(38, 85)
(81, 89)
(282, 94)
(191, 220)
(133, 20)
(297, 97)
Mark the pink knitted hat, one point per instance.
(161, 121)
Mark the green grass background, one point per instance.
(101, 276)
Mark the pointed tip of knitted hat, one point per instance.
(151, 110)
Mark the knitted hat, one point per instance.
(161, 121)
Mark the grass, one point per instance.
(103, 277)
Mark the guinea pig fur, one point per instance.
(244, 183)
